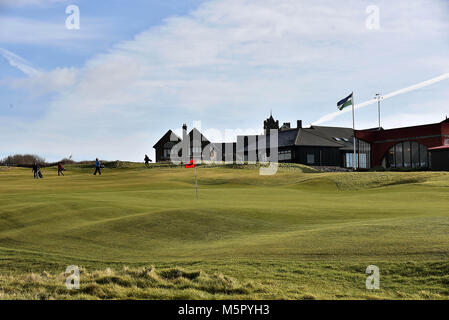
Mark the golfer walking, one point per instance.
(147, 160)
(35, 169)
(97, 167)
(60, 169)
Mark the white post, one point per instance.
(353, 128)
(196, 185)
(378, 96)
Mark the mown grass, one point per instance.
(299, 234)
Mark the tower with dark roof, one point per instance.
(269, 124)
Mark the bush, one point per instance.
(22, 160)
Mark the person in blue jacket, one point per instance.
(97, 167)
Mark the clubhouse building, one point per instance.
(413, 148)
(417, 147)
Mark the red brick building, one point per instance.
(425, 146)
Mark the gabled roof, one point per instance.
(198, 133)
(166, 137)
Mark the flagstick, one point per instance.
(196, 185)
(353, 128)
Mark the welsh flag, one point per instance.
(346, 102)
(191, 164)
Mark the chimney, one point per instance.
(299, 124)
(184, 127)
(286, 125)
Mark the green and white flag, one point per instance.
(346, 102)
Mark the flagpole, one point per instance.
(378, 96)
(353, 128)
(196, 185)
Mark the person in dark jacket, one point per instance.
(60, 169)
(35, 169)
(147, 160)
(97, 167)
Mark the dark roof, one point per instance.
(198, 133)
(325, 137)
(166, 137)
(315, 136)
(287, 137)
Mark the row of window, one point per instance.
(407, 154)
(363, 156)
(285, 155)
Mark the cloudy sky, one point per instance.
(137, 68)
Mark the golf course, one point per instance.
(140, 233)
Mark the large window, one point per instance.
(407, 154)
(285, 155)
(349, 160)
(310, 158)
(167, 149)
(363, 156)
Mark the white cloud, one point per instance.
(22, 3)
(18, 30)
(18, 62)
(232, 59)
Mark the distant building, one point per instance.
(164, 145)
(417, 147)
(316, 146)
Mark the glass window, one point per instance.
(363, 159)
(310, 158)
(415, 154)
(423, 159)
(285, 155)
(407, 154)
(399, 156)
(349, 160)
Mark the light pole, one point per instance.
(378, 97)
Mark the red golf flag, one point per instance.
(191, 164)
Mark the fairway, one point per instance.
(139, 232)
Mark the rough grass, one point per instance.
(303, 281)
(127, 283)
(297, 235)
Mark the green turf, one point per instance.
(294, 235)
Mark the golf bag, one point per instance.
(40, 174)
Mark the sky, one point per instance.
(135, 69)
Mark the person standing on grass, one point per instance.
(60, 169)
(97, 167)
(35, 169)
(147, 160)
